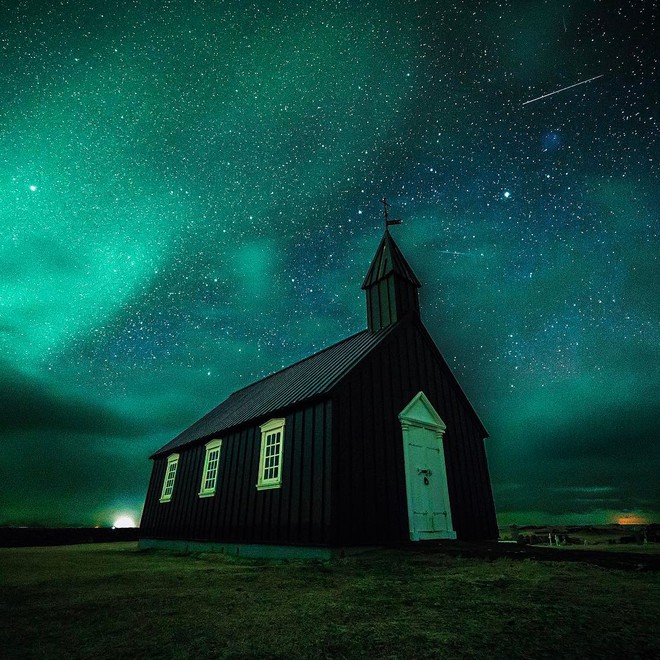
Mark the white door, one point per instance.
(429, 510)
(426, 473)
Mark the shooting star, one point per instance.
(563, 89)
(464, 254)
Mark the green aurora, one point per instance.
(189, 200)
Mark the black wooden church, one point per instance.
(370, 441)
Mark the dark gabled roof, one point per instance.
(310, 377)
(389, 259)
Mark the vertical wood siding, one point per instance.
(369, 486)
(388, 300)
(343, 477)
(297, 513)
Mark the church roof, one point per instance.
(312, 376)
(389, 259)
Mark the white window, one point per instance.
(211, 467)
(270, 461)
(170, 475)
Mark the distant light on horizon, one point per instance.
(123, 522)
(631, 519)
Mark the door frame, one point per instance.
(409, 418)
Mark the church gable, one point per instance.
(420, 411)
(434, 354)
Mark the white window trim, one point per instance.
(271, 426)
(210, 446)
(172, 459)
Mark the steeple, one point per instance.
(391, 286)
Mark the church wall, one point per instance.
(370, 491)
(296, 513)
(469, 481)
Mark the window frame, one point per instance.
(272, 426)
(210, 446)
(172, 460)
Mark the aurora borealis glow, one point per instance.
(189, 200)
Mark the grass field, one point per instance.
(111, 601)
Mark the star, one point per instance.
(242, 176)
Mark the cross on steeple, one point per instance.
(388, 222)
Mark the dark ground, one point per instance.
(20, 537)
(112, 601)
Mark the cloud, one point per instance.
(31, 404)
(65, 457)
(580, 452)
(56, 478)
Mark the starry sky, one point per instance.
(189, 199)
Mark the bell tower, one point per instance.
(390, 284)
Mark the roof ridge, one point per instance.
(290, 385)
(293, 364)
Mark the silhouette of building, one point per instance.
(370, 441)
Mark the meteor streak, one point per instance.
(583, 82)
(465, 254)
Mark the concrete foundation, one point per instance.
(256, 551)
